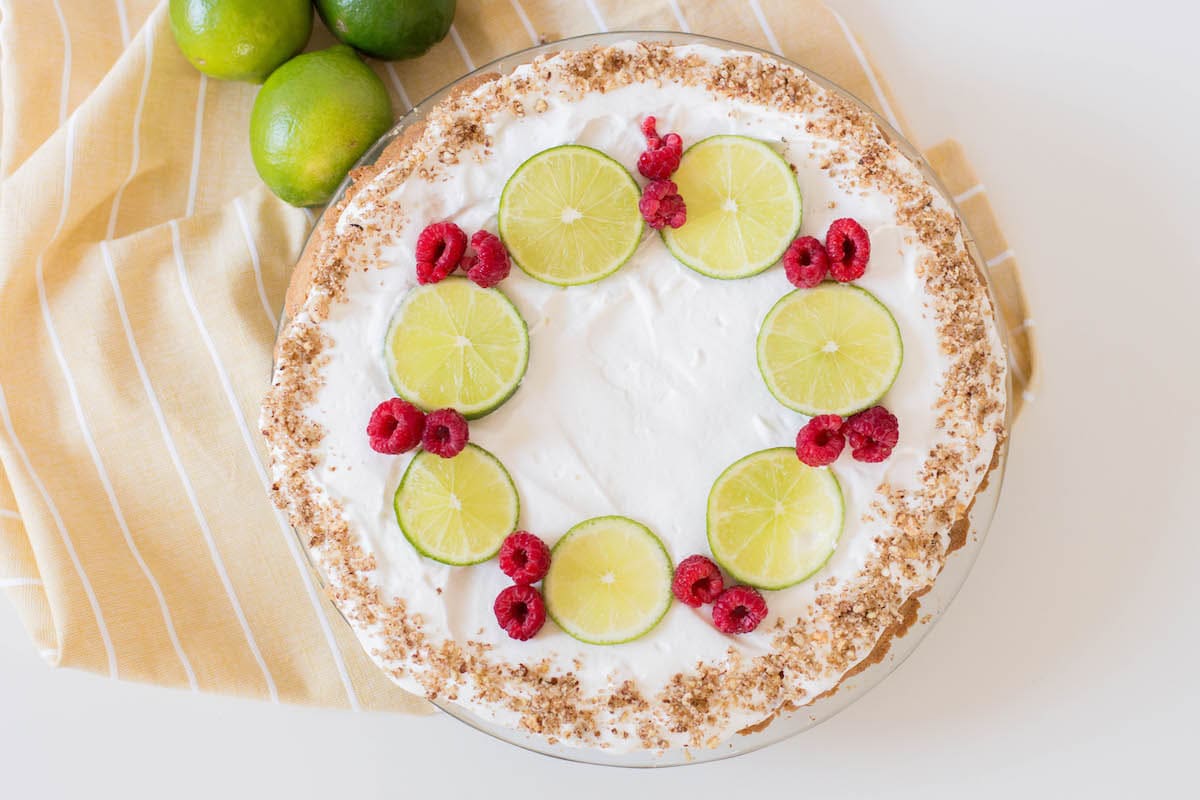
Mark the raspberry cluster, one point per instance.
(442, 248)
(520, 609)
(737, 609)
(662, 154)
(872, 435)
(843, 256)
(661, 204)
(397, 426)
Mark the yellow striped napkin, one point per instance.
(141, 274)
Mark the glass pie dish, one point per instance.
(932, 605)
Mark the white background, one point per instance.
(1066, 667)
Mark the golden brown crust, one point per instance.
(302, 276)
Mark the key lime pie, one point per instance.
(633, 397)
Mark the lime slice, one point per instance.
(455, 345)
(457, 510)
(609, 581)
(743, 207)
(834, 349)
(569, 215)
(772, 520)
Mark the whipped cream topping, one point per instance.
(640, 390)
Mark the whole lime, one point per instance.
(240, 40)
(388, 29)
(312, 119)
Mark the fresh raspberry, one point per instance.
(650, 131)
(806, 262)
(524, 558)
(439, 249)
(739, 609)
(872, 434)
(520, 611)
(395, 427)
(697, 581)
(446, 433)
(662, 154)
(820, 441)
(489, 264)
(661, 205)
(849, 248)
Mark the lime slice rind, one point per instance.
(589, 549)
(430, 524)
(712, 231)
(429, 367)
(746, 540)
(794, 366)
(535, 203)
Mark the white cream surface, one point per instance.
(640, 389)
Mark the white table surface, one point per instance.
(1066, 667)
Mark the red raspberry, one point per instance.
(395, 427)
(524, 558)
(439, 249)
(520, 611)
(849, 249)
(872, 434)
(661, 205)
(820, 441)
(806, 262)
(662, 154)
(697, 581)
(446, 433)
(739, 609)
(489, 264)
(649, 130)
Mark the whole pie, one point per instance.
(635, 396)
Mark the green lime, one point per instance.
(743, 207)
(240, 40)
(609, 581)
(772, 520)
(454, 345)
(834, 349)
(569, 215)
(457, 510)
(388, 29)
(313, 119)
